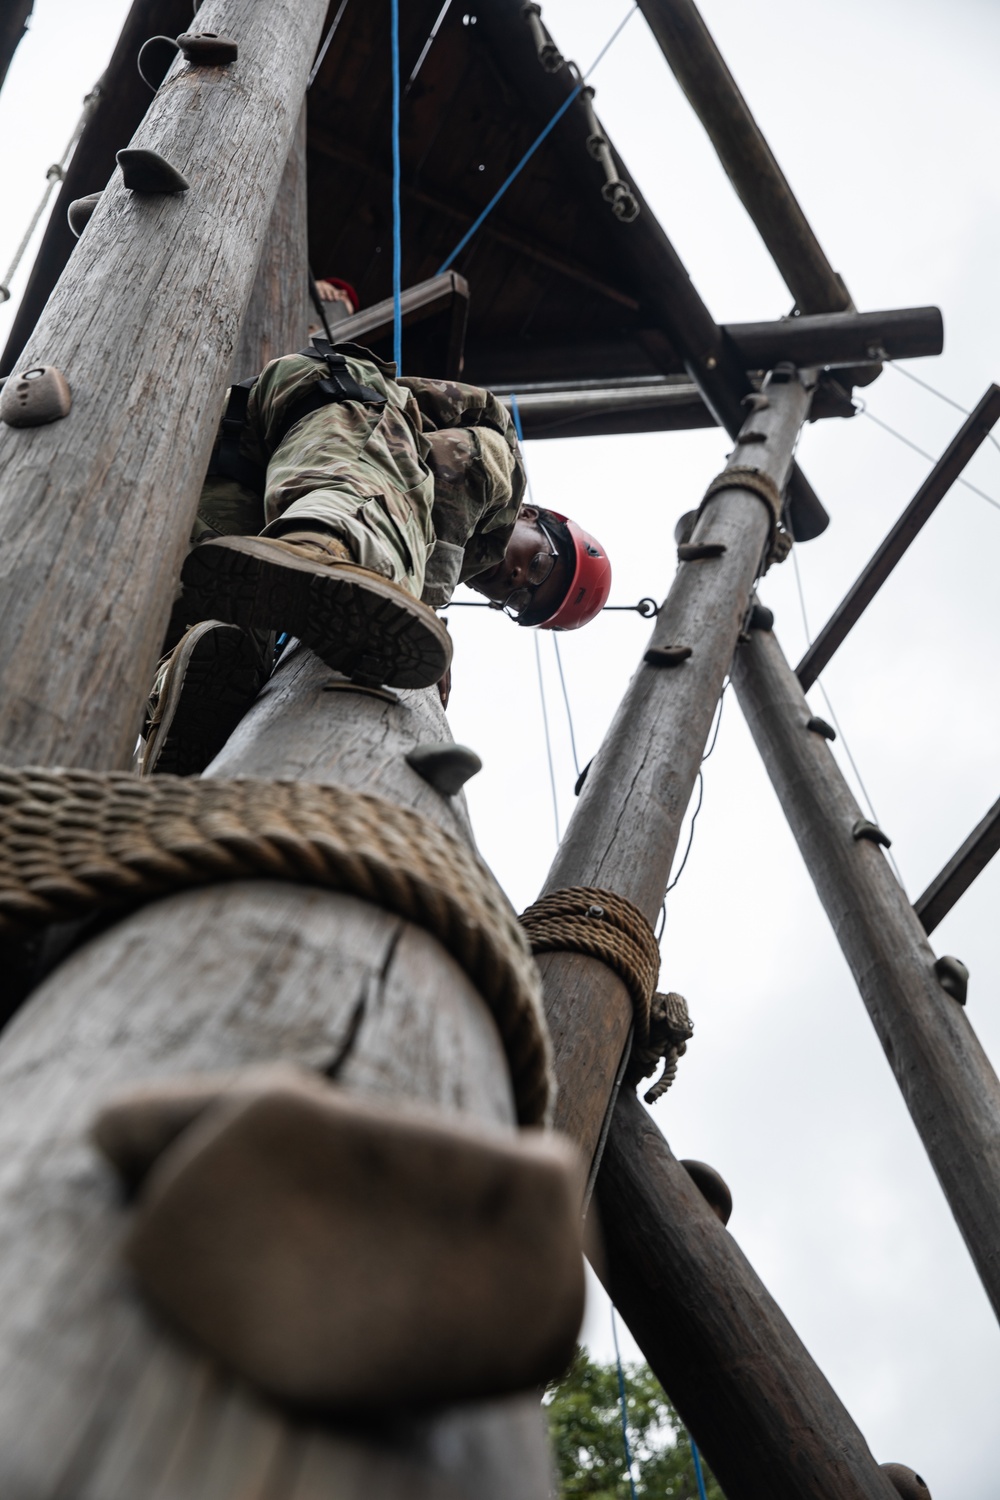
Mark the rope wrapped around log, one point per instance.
(603, 925)
(76, 842)
(744, 477)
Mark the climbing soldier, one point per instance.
(343, 506)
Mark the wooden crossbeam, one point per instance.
(960, 871)
(970, 436)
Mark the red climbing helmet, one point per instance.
(590, 583)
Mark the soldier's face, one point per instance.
(529, 555)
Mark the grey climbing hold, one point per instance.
(755, 401)
(34, 397)
(820, 726)
(761, 618)
(697, 551)
(80, 212)
(148, 172)
(578, 784)
(712, 1187)
(444, 766)
(207, 49)
(953, 977)
(864, 828)
(685, 526)
(752, 436)
(907, 1482)
(666, 656)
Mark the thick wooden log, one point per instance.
(624, 831)
(101, 1400)
(961, 870)
(744, 1383)
(277, 315)
(839, 339)
(970, 436)
(95, 510)
(13, 26)
(701, 71)
(945, 1076)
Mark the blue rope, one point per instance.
(621, 1398)
(533, 147)
(397, 235)
(697, 1468)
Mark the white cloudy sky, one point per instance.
(882, 114)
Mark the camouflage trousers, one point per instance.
(350, 469)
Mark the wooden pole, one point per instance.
(624, 831)
(744, 1383)
(101, 1400)
(949, 1086)
(95, 510)
(13, 27)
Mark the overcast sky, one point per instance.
(883, 116)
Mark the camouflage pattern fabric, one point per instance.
(424, 490)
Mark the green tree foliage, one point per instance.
(585, 1425)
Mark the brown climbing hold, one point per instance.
(347, 1256)
(148, 172)
(666, 656)
(36, 396)
(207, 49)
(712, 1187)
(906, 1481)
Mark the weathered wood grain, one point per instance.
(277, 315)
(102, 1402)
(769, 1422)
(95, 511)
(950, 1088)
(624, 830)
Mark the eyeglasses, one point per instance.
(538, 570)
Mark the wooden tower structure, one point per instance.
(572, 295)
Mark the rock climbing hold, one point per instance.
(666, 656)
(760, 618)
(712, 1187)
(865, 829)
(820, 726)
(953, 976)
(697, 551)
(148, 172)
(206, 49)
(445, 766)
(36, 396)
(906, 1481)
(755, 401)
(80, 212)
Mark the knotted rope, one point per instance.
(74, 842)
(743, 477)
(606, 926)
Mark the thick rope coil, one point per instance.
(604, 925)
(743, 477)
(74, 842)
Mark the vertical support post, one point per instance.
(768, 1420)
(624, 831)
(945, 1076)
(96, 509)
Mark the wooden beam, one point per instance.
(95, 510)
(96, 1387)
(438, 297)
(701, 71)
(13, 27)
(970, 436)
(960, 871)
(744, 1383)
(624, 831)
(945, 1076)
(839, 339)
(277, 315)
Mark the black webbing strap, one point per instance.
(339, 385)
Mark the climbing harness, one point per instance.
(603, 925)
(77, 842)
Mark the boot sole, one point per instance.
(213, 680)
(347, 1257)
(358, 623)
